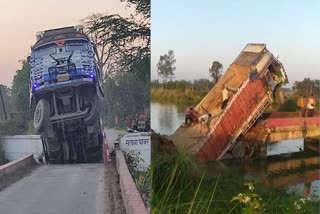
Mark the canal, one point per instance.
(288, 164)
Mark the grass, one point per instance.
(176, 96)
(141, 178)
(176, 188)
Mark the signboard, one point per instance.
(138, 143)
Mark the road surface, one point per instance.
(72, 189)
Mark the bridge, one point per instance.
(276, 127)
(279, 126)
(27, 187)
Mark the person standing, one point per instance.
(225, 97)
(305, 103)
(300, 105)
(311, 105)
(189, 116)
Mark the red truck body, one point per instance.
(254, 77)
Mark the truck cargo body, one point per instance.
(256, 75)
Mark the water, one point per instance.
(285, 147)
(166, 118)
(288, 163)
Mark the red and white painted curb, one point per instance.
(130, 195)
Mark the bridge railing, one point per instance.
(19, 146)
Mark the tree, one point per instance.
(307, 86)
(105, 51)
(127, 96)
(5, 102)
(215, 71)
(123, 44)
(123, 54)
(20, 89)
(166, 66)
(20, 103)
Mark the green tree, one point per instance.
(123, 54)
(215, 71)
(5, 104)
(105, 51)
(126, 96)
(166, 66)
(307, 86)
(18, 124)
(123, 44)
(20, 89)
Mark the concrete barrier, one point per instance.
(130, 195)
(16, 165)
(18, 146)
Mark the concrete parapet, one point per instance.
(130, 195)
(15, 165)
(19, 146)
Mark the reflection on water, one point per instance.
(297, 172)
(297, 169)
(286, 146)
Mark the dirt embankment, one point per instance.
(113, 200)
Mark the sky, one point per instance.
(21, 19)
(204, 31)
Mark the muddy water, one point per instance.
(289, 163)
(166, 118)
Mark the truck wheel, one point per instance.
(93, 116)
(94, 153)
(41, 115)
(55, 153)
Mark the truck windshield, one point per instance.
(45, 50)
(76, 45)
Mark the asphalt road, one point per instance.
(52, 189)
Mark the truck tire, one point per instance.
(41, 115)
(54, 150)
(94, 153)
(93, 116)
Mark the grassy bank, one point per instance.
(180, 184)
(176, 95)
(176, 189)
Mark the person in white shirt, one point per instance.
(311, 105)
(225, 97)
(204, 121)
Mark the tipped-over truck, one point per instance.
(66, 95)
(256, 75)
